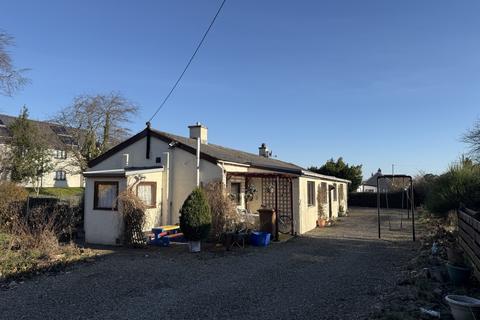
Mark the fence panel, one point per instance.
(469, 236)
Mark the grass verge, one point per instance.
(59, 192)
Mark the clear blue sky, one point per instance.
(377, 82)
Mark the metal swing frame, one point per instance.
(410, 200)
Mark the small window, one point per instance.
(105, 195)
(311, 193)
(60, 175)
(341, 193)
(60, 154)
(335, 192)
(235, 190)
(324, 192)
(147, 192)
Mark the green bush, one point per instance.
(460, 185)
(195, 217)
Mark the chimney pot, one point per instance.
(264, 152)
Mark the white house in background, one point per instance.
(162, 169)
(65, 173)
(370, 185)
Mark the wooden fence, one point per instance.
(469, 236)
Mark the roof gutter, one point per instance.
(325, 177)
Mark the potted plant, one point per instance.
(321, 222)
(195, 219)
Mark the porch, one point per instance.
(255, 191)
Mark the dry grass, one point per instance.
(222, 208)
(29, 241)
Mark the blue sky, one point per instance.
(377, 82)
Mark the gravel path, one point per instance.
(330, 273)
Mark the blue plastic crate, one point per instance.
(259, 239)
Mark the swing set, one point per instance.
(409, 197)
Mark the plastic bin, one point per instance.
(259, 238)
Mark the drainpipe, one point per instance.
(166, 203)
(198, 162)
(224, 174)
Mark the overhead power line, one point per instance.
(189, 61)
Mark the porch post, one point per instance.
(276, 208)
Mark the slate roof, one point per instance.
(56, 136)
(210, 152)
(221, 153)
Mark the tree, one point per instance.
(11, 79)
(342, 170)
(472, 139)
(29, 158)
(195, 216)
(97, 123)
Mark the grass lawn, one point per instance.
(59, 192)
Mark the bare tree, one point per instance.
(96, 123)
(472, 139)
(11, 79)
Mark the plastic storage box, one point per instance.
(259, 239)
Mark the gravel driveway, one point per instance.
(330, 273)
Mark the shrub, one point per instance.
(222, 208)
(12, 201)
(460, 185)
(133, 210)
(195, 217)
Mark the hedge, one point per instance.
(369, 199)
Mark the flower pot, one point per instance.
(194, 246)
(463, 307)
(321, 222)
(459, 274)
(455, 256)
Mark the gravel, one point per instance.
(325, 274)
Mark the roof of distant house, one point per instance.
(55, 135)
(384, 184)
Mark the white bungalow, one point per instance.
(162, 169)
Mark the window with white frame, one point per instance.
(60, 154)
(105, 195)
(60, 175)
(311, 193)
(147, 192)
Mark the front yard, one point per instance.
(18, 262)
(324, 275)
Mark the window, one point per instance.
(60, 175)
(323, 192)
(341, 194)
(60, 154)
(235, 191)
(335, 192)
(147, 192)
(105, 195)
(311, 193)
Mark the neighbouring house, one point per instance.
(162, 169)
(370, 185)
(65, 172)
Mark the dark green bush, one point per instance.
(195, 216)
(460, 185)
